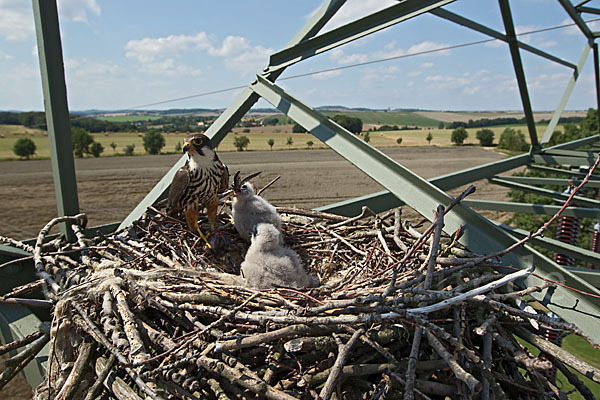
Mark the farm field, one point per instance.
(258, 136)
(109, 187)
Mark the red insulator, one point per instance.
(567, 232)
(554, 336)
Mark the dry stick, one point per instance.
(350, 220)
(559, 353)
(473, 384)
(37, 251)
(28, 302)
(101, 377)
(520, 293)
(310, 213)
(336, 370)
(487, 362)
(471, 293)
(573, 379)
(397, 229)
(137, 351)
(20, 343)
(20, 361)
(77, 372)
(259, 192)
(117, 386)
(23, 289)
(414, 352)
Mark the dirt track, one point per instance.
(109, 187)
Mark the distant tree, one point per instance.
(309, 144)
(352, 124)
(114, 146)
(270, 121)
(271, 142)
(297, 128)
(459, 135)
(154, 141)
(246, 130)
(513, 140)
(24, 147)
(289, 141)
(241, 142)
(399, 141)
(441, 125)
(96, 149)
(128, 150)
(367, 137)
(429, 138)
(178, 147)
(81, 141)
(485, 137)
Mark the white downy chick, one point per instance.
(269, 263)
(248, 210)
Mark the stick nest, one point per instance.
(152, 312)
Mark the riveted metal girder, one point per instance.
(57, 111)
(589, 10)
(480, 235)
(450, 16)
(565, 97)
(576, 18)
(544, 209)
(354, 30)
(549, 159)
(568, 172)
(556, 246)
(584, 201)
(519, 72)
(227, 120)
(530, 180)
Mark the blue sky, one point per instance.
(124, 54)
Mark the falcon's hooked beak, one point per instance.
(186, 146)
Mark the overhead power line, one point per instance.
(380, 60)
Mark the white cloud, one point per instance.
(77, 10)
(5, 56)
(374, 77)
(414, 73)
(16, 20)
(427, 65)
(90, 69)
(355, 9)
(237, 51)
(339, 56)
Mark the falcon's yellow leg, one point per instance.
(191, 217)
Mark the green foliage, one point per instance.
(441, 125)
(154, 141)
(513, 140)
(459, 135)
(33, 119)
(246, 130)
(271, 142)
(113, 145)
(241, 142)
(128, 150)
(399, 140)
(96, 149)
(24, 147)
(429, 138)
(587, 127)
(289, 141)
(82, 141)
(367, 137)
(178, 147)
(352, 124)
(297, 128)
(309, 144)
(485, 137)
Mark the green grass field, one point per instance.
(258, 136)
(129, 118)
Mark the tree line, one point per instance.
(485, 122)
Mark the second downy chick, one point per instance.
(268, 263)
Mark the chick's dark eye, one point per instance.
(254, 230)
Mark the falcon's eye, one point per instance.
(198, 141)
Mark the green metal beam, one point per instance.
(550, 159)
(592, 276)
(591, 154)
(584, 201)
(236, 110)
(570, 173)
(57, 111)
(544, 209)
(352, 31)
(529, 180)
(570, 9)
(450, 16)
(589, 10)
(556, 246)
(519, 72)
(480, 235)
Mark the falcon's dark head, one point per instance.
(196, 143)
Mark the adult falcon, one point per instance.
(200, 180)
